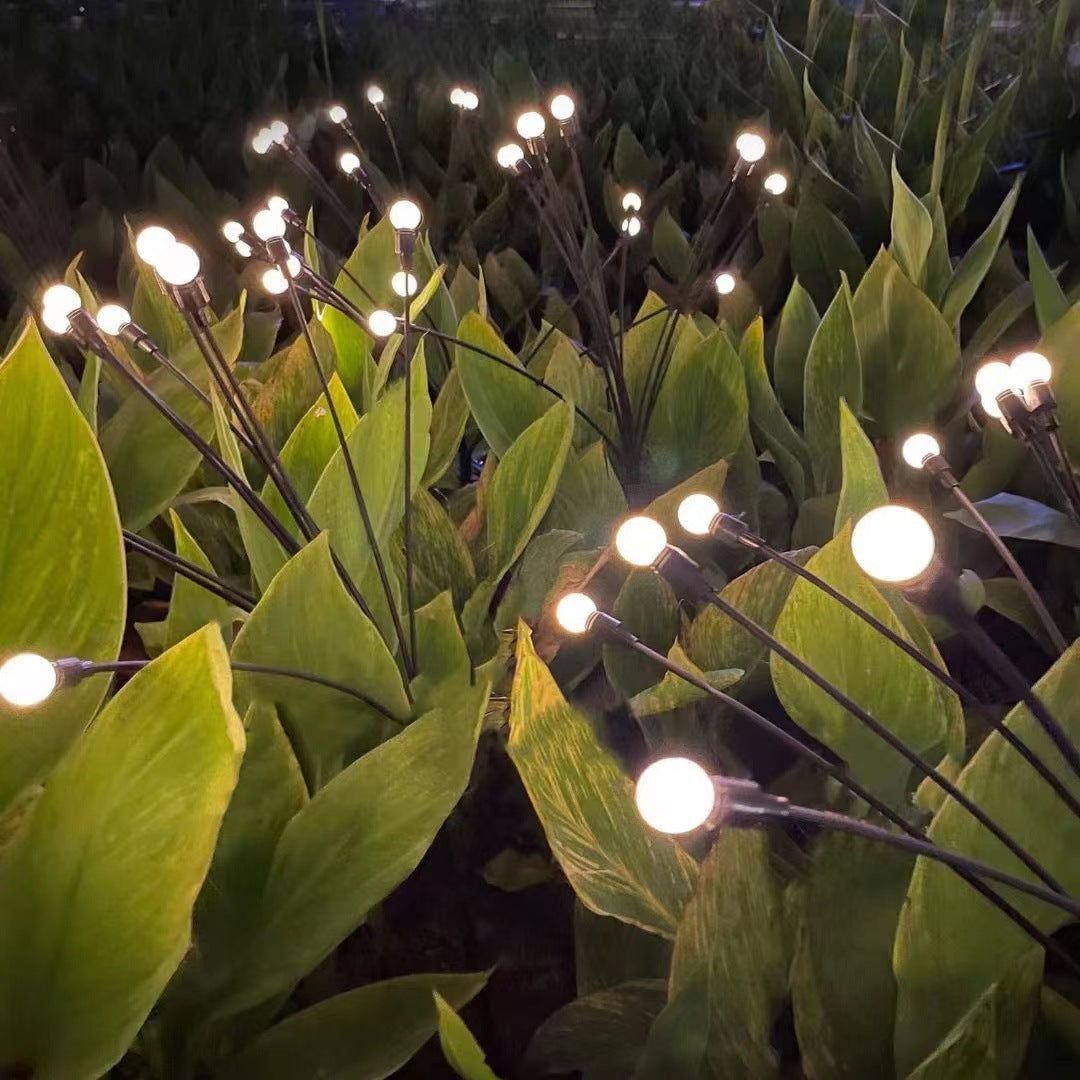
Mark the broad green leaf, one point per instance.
(746, 971)
(1007, 597)
(96, 891)
(579, 380)
(842, 987)
(670, 247)
(191, 606)
(589, 498)
(1050, 301)
(822, 251)
(149, 461)
(62, 587)
(442, 658)
(648, 608)
(821, 125)
(679, 1036)
(833, 371)
(665, 509)
(449, 415)
(872, 671)
(609, 952)
(357, 839)
(951, 945)
(1060, 344)
(790, 103)
(535, 577)
(798, 324)
(352, 356)
(641, 344)
(440, 557)
(1025, 519)
(910, 359)
(877, 186)
(459, 1047)
(363, 1034)
(938, 271)
(307, 622)
(912, 229)
(616, 865)
(863, 487)
(672, 691)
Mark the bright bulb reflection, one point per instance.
(268, 225)
(993, 379)
(375, 94)
(278, 203)
(697, 512)
(405, 215)
(675, 795)
(112, 318)
(404, 284)
(751, 146)
(640, 540)
(337, 114)
(278, 130)
(574, 611)
(1030, 367)
(631, 202)
(348, 162)
(27, 679)
(531, 124)
(775, 183)
(631, 225)
(470, 102)
(992, 408)
(153, 243)
(457, 95)
(725, 283)
(509, 155)
(382, 323)
(243, 249)
(918, 447)
(232, 231)
(893, 543)
(261, 141)
(274, 282)
(179, 266)
(61, 298)
(562, 107)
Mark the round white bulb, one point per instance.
(293, 265)
(509, 155)
(348, 162)
(56, 320)
(776, 183)
(274, 282)
(640, 540)
(375, 94)
(112, 318)
(531, 124)
(404, 284)
(61, 298)
(1030, 367)
(918, 447)
(180, 266)
(893, 543)
(993, 379)
(751, 146)
(268, 225)
(382, 323)
(243, 249)
(405, 215)
(725, 283)
(457, 96)
(27, 679)
(278, 130)
(337, 114)
(232, 231)
(631, 225)
(153, 243)
(278, 203)
(261, 141)
(574, 611)
(992, 408)
(631, 202)
(675, 795)
(470, 102)
(697, 513)
(562, 107)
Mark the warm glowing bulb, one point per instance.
(775, 183)
(697, 513)
(631, 225)
(404, 284)
(274, 282)
(261, 141)
(531, 124)
(232, 231)
(509, 155)
(405, 215)
(562, 107)
(268, 225)
(751, 146)
(574, 611)
(893, 543)
(293, 265)
(1030, 367)
(470, 101)
(993, 379)
(27, 679)
(153, 243)
(675, 795)
(348, 162)
(112, 318)
(457, 96)
(725, 283)
(337, 114)
(180, 266)
(375, 94)
(278, 130)
(382, 323)
(918, 447)
(243, 249)
(56, 320)
(278, 203)
(640, 540)
(631, 202)
(992, 408)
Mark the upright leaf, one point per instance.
(459, 1047)
(679, 1036)
(798, 324)
(822, 251)
(863, 488)
(191, 606)
(1050, 301)
(912, 229)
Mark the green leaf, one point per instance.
(679, 1036)
(459, 1047)
(1060, 344)
(872, 671)
(442, 658)
(441, 559)
(96, 890)
(449, 416)
(1024, 519)
(863, 487)
(1050, 301)
(579, 380)
(153, 310)
(798, 324)
(307, 622)
(364, 1034)
(939, 269)
(616, 865)
(747, 971)
(640, 345)
(788, 91)
(672, 691)
(912, 229)
(648, 608)
(670, 247)
(875, 177)
(910, 359)
(1006, 596)
(822, 251)
(535, 577)
(191, 606)
(62, 588)
(665, 508)
(833, 371)
(589, 498)
(951, 945)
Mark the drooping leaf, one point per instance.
(459, 1047)
(863, 487)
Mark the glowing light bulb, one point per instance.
(457, 96)
(27, 679)
(470, 102)
(278, 130)
(631, 202)
(1030, 367)
(675, 795)
(918, 447)
(509, 155)
(574, 611)
(631, 225)
(993, 379)
(273, 281)
(640, 540)
(725, 283)
(261, 141)
(337, 114)
(243, 249)
(991, 408)
(112, 318)
(232, 231)
(293, 265)
(278, 203)
(61, 298)
(348, 163)
(180, 266)
(404, 284)
(405, 215)
(56, 320)
(268, 225)
(531, 124)
(751, 146)
(697, 513)
(562, 107)
(775, 183)
(153, 243)
(382, 323)
(375, 95)
(893, 543)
